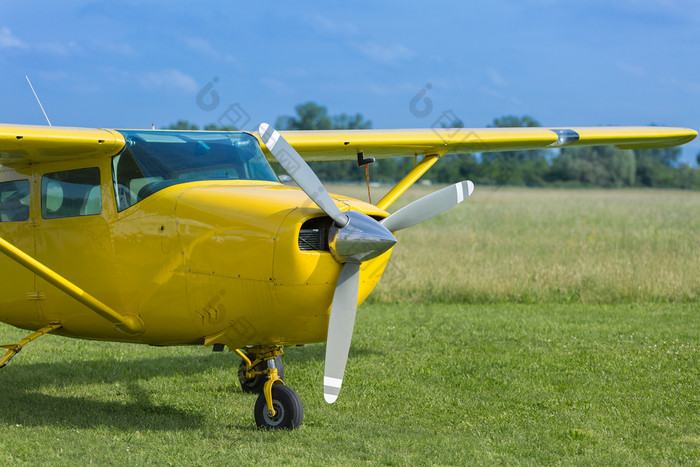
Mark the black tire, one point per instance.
(256, 384)
(288, 407)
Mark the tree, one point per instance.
(687, 177)
(186, 125)
(453, 167)
(182, 125)
(215, 127)
(514, 167)
(604, 166)
(356, 122)
(655, 167)
(311, 116)
(510, 121)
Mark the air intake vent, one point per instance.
(313, 235)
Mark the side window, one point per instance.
(14, 201)
(71, 193)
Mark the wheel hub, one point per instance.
(278, 417)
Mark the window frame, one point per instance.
(86, 198)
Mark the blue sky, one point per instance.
(566, 63)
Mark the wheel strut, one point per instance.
(267, 389)
(267, 355)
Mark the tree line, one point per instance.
(590, 166)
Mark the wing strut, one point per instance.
(129, 324)
(407, 181)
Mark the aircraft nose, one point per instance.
(361, 239)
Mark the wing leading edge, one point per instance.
(339, 145)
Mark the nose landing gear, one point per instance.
(252, 378)
(278, 406)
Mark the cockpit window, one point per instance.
(14, 201)
(153, 160)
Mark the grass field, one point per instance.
(524, 327)
(552, 246)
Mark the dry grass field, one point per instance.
(526, 245)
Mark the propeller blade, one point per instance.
(428, 206)
(300, 171)
(340, 326)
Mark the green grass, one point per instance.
(524, 327)
(438, 384)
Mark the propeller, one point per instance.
(353, 238)
(428, 206)
(302, 174)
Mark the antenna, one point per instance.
(37, 99)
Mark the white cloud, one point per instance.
(496, 77)
(499, 95)
(56, 75)
(57, 48)
(276, 85)
(9, 41)
(204, 48)
(325, 25)
(633, 70)
(384, 54)
(168, 79)
(292, 72)
(114, 48)
(201, 46)
(393, 89)
(685, 85)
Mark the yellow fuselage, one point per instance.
(208, 262)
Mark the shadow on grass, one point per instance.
(35, 409)
(26, 402)
(91, 371)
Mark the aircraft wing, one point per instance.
(33, 143)
(340, 145)
(30, 143)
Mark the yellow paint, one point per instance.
(129, 324)
(336, 145)
(273, 378)
(209, 262)
(407, 181)
(22, 143)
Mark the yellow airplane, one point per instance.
(189, 238)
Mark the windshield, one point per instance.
(153, 160)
